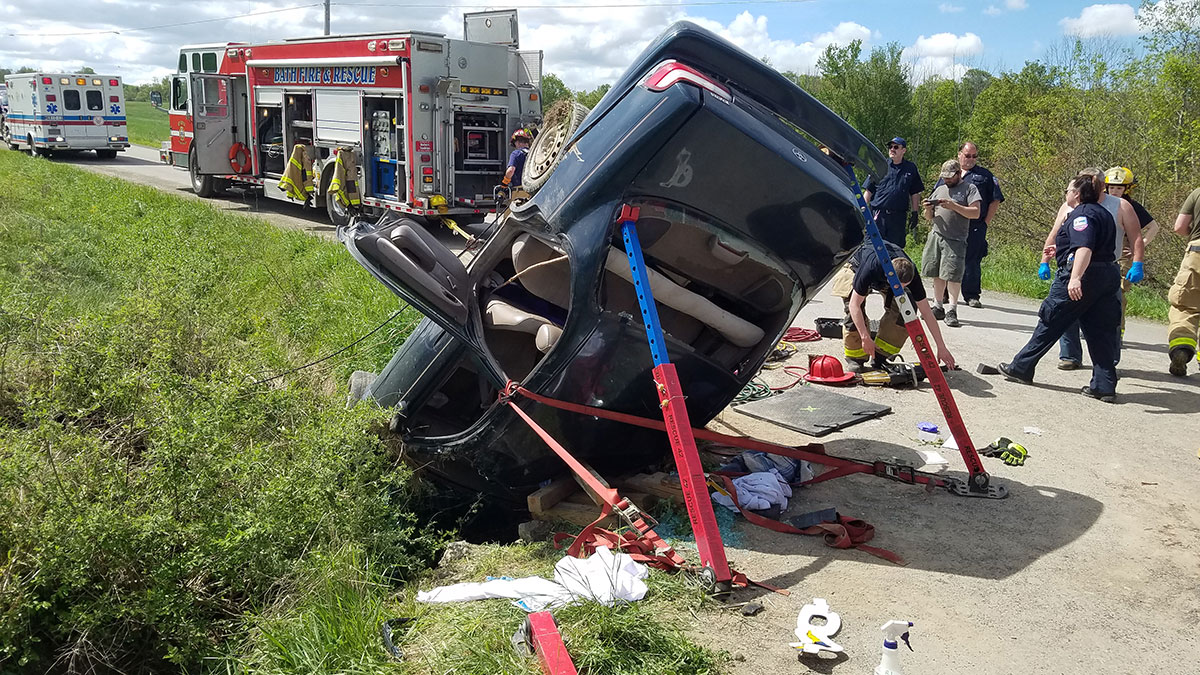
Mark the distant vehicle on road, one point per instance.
(426, 118)
(742, 219)
(49, 112)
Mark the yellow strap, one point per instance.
(856, 353)
(1183, 342)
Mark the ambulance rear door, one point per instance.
(212, 122)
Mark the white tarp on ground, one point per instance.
(603, 577)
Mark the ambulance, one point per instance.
(425, 119)
(49, 112)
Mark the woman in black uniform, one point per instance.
(1087, 289)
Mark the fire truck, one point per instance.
(427, 118)
(65, 111)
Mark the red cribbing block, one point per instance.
(547, 643)
(691, 473)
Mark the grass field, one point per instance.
(147, 124)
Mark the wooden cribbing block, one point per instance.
(544, 498)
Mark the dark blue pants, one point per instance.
(977, 250)
(1070, 347)
(892, 226)
(1098, 312)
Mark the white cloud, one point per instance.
(941, 55)
(750, 33)
(1015, 4)
(992, 10)
(583, 45)
(1102, 20)
(947, 8)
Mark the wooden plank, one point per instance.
(576, 514)
(660, 484)
(555, 492)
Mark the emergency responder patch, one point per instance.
(1080, 224)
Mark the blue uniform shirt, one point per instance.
(517, 159)
(1087, 226)
(894, 192)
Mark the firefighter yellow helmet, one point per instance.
(1119, 175)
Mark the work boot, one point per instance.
(1179, 360)
(952, 318)
(1069, 364)
(938, 312)
(1006, 370)
(1107, 398)
(974, 302)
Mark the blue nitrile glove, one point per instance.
(1136, 273)
(1044, 271)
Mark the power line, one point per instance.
(118, 31)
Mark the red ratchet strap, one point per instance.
(658, 548)
(644, 547)
(813, 452)
(845, 533)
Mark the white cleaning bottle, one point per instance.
(889, 661)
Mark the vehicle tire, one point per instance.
(8, 139)
(106, 154)
(35, 151)
(201, 185)
(561, 122)
(338, 214)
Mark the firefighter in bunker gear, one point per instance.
(1184, 296)
(862, 275)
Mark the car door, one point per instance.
(212, 122)
(413, 264)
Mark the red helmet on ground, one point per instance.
(826, 370)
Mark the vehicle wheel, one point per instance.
(560, 124)
(8, 139)
(338, 214)
(106, 154)
(201, 185)
(35, 151)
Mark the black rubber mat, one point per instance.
(814, 410)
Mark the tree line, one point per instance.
(1086, 103)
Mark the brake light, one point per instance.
(114, 99)
(671, 72)
(46, 80)
(51, 97)
(113, 83)
(427, 171)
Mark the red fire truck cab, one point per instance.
(427, 117)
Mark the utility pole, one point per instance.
(327, 17)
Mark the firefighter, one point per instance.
(897, 195)
(1184, 296)
(516, 161)
(861, 276)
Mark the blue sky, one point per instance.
(586, 43)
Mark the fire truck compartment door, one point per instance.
(212, 122)
(339, 116)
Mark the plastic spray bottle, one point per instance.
(889, 661)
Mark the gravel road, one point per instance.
(1090, 566)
